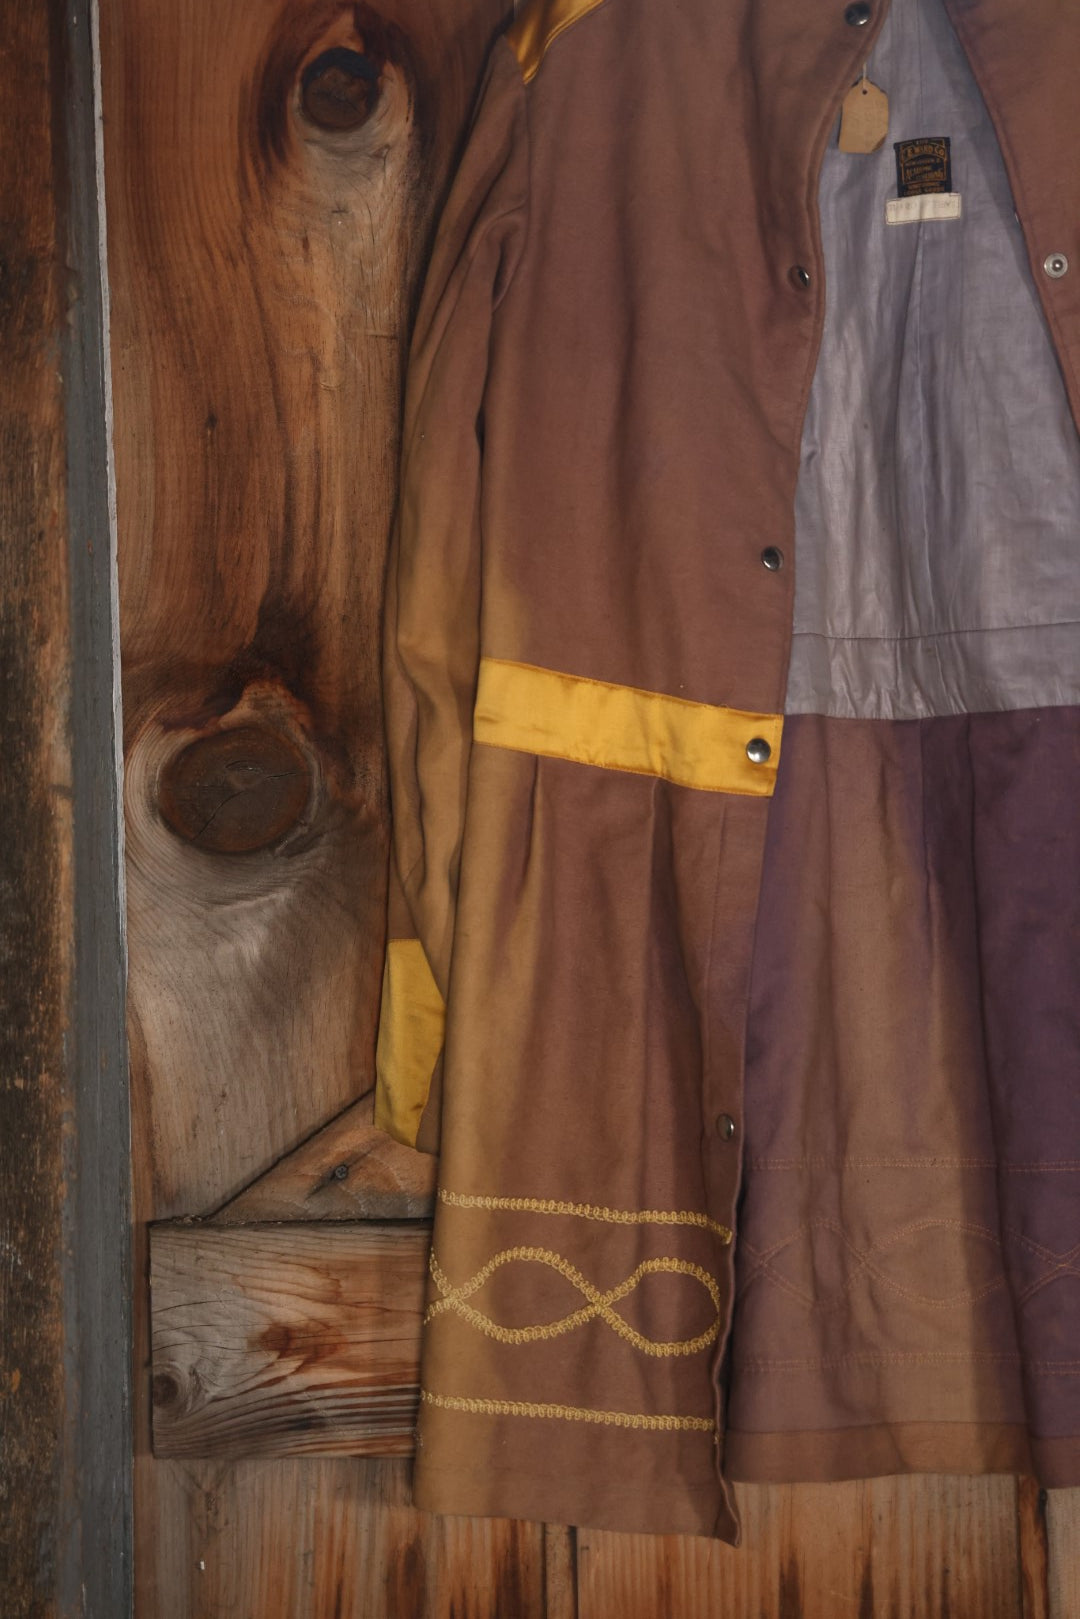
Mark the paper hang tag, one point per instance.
(864, 118)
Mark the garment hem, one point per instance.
(826, 1456)
(583, 1503)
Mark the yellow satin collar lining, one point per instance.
(411, 1026)
(539, 25)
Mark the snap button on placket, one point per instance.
(1056, 265)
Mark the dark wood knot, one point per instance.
(236, 791)
(166, 1390)
(340, 89)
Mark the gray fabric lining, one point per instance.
(938, 505)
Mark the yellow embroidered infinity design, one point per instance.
(599, 1306)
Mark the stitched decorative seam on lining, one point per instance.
(586, 1211)
(1051, 1167)
(762, 1264)
(599, 1307)
(567, 1413)
(930, 1357)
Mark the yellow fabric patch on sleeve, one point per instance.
(411, 1027)
(541, 711)
(539, 25)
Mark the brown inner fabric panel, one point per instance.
(911, 1181)
(589, 980)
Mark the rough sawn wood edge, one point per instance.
(65, 1288)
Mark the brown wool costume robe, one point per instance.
(733, 697)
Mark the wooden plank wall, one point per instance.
(64, 1154)
(272, 169)
(269, 210)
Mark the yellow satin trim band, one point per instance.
(539, 26)
(411, 1026)
(562, 716)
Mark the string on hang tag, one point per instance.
(864, 117)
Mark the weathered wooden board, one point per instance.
(64, 1272)
(38, 905)
(347, 1171)
(903, 1548)
(335, 1540)
(1033, 1549)
(272, 171)
(272, 168)
(279, 1340)
(1063, 1515)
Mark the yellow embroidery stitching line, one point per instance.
(598, 1307)
(568, 1413)
(586, 1211)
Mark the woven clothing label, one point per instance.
(923, 167)
(911, 210)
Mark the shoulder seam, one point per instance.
(539, 24)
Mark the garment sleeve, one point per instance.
(431, 620)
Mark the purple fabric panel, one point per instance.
(908, 1243)
(1025, 771)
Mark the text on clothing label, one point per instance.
(910, 210)
(924, 166)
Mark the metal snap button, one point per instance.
(1056, 265)
(772, 558)
(800, 275)
(725, 1126)
(758, 751)
(858, 15)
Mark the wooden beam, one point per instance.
(269, 219)
(286, 1340)
(346, 1171)
(1062, 1509)
(272, 172)
(65, 1442)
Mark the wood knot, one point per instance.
(165, 1389)
(340, 89)
(236, 791)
